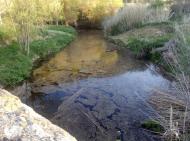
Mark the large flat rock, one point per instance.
(20, 122)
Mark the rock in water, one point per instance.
(20, 122)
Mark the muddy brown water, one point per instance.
(93, 90)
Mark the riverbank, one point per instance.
(15, 66)
(167, 45)
(146, 42)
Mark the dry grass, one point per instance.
(157, 15)
(126, 18)
(171, 109)
(134, 15)
(176, 108)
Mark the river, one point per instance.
(92, 89)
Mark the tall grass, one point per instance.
(7, 34)
(179, 62)
(180, 8)
(134, 15)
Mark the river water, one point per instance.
(93, 90)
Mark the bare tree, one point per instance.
(23, 14)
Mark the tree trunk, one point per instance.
(66, 9)
(57, 22)
(125, 1)
(1, 22)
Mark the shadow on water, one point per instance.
(93, 91)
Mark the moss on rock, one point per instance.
(153, 126)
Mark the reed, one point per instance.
(135, 15)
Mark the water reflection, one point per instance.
(88, 55)
(96, 108)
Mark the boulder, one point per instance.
(19, 122)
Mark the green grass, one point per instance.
(62, 28)
(51, 45)
(141, 41)
(15, 66)
(138, 45)
(153, 126)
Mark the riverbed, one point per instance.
(94, 90)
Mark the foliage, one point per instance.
(101, 9)
(71, 10)
(92, 11)
(23, 16)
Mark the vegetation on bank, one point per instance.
(16, 66)
(145, 27)
(135, 16)
(179, 63)
(166, 42)
(23, 38)
(142, 41)
(142, 28)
